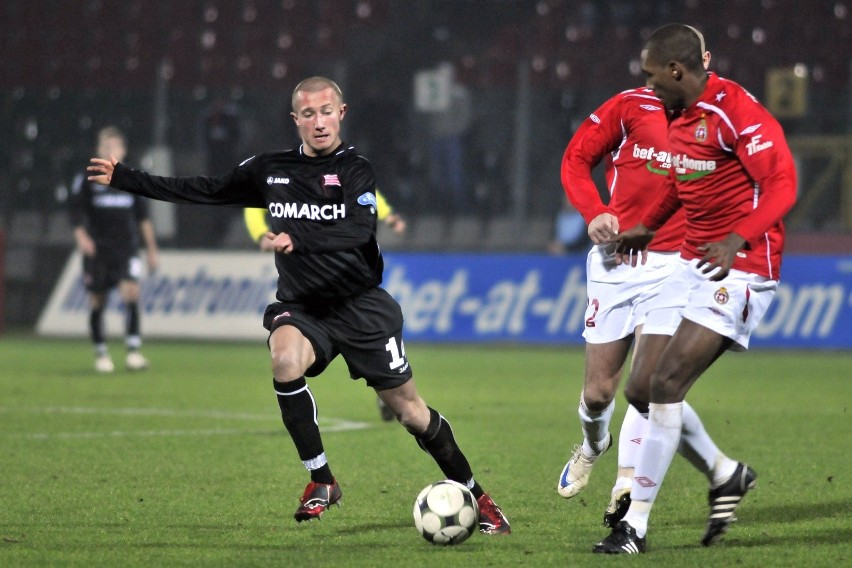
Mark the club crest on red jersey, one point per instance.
(721, 296)
(701, 131)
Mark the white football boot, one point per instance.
(135, 361)
(575, 474)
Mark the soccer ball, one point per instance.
(446, 513)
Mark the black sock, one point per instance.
(438, 441)
(131, 313)
(96, 325)
(298, 411)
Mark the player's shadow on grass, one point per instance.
(772, 513)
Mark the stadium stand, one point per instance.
(63, 75)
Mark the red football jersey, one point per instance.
(629, 133)
(732, 172)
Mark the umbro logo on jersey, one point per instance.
(750, 129)
(276, 180)
(595, 119)
(650, 107)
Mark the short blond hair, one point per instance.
(314, 84)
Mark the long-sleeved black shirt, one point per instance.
(110, 217)
(326, 204)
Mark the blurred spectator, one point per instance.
(203, 226)
(448, 129)
(570, 231)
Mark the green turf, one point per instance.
(187, 464)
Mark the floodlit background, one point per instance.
(464, 107)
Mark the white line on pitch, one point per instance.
(139, 412)
(328, 424)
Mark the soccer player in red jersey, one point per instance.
(734, 177)
(627, 133)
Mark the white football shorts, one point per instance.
(732, 308)
(619, 295)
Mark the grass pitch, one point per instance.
(188, 464)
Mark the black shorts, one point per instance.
(102, 273)
(366, 329)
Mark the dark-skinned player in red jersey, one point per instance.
(734, 177)
(628, 133)
(323, 230)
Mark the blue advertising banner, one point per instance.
(542, 299)
(536, 299)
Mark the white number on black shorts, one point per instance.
(397, 353)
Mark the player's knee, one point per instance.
(597, 395)
(639, 400)
(667, 385)
(287, 365)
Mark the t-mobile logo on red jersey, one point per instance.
(756, 145)
(682, 163)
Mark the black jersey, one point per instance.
(325, 203)
(111, 217)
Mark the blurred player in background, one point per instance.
(258, 228)
(107, 224)
(629, 134)
(320, 198)
(734, 177)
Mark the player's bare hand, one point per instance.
(101, 170)
(88, 248)
(632, 245)
(265, 243)
(396, 223)
(603, 228)
(720, 256)
(281, 242)
(153, 261)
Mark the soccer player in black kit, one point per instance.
(323, 229)
(107, 224)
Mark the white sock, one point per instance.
(698, 448)
(595, 427)
(665, 422)
(633, 429)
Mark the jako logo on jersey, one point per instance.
(721, 296)
(273, 180)
(701, 131)
(330, 179)
(367, 199)
(308, 211)
(756, 145)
